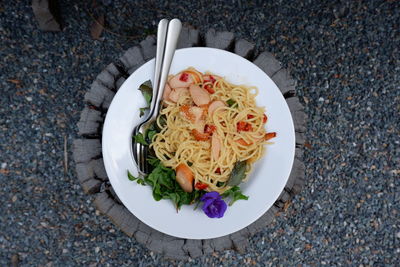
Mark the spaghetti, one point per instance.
(210, 125)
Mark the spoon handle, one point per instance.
(174, 30)
(161, 41)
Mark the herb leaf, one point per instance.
(142, 111)
(153, 161)
(147, 91)
(238, 173)
(231, 103)
(137, 179)
(150, 134)
(234, 194)
(139, 138)
(131, 177)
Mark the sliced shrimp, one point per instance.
(215, 146)
(184, 177)
(242, 142)
(199, 95)
(270, 135)
(214, 105)
(192, 113)
(176, 93)
(167, 91)
(182, 79)
(197, 114)
(199, 135)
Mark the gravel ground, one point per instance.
(345, 57)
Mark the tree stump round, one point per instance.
(88, 157)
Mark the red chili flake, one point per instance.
(244, 126)
(218, 170)
(210, 79)
(265, 118)
(209, 88)
(240, 126)
(250, 116)
(201, 186)
(248, 127)
(209, 128)
(184, 77)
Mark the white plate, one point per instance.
(266, 181)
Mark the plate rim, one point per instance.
(292, 141)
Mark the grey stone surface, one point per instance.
(89, 122)
(297, 177)
(84, 172)
(263, 221)
(240, 240)
(45, 15)
(98, 169)
(300, 140)
(221, 40)
(120, 81)
(98, 93)
(268, 63)
(244, 48)
(149, 47)
(106, 78)
(132, 58)
(194, 248)
(85, 150)
(91, 186)
(189, 37)
(299, 120)
(284, 82)
(103, 202)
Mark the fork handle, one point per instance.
(174, 30)
(161, 41)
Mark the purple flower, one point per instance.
(214, 206)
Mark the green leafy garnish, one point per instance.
(238, 173)
(137, 179)
(234, 194)
(153, 161)
(150, 134)
(142, 111)
(220, 184)
(163, 121)
(231, 103)
(139, 138)
(162, 179)
(147, 91)
(147, 137)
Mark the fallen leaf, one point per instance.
(308, 246)
(17, 82)
(307, 145)
(286, 205)
(4, 171)
(97, 27)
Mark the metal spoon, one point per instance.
(166, 46)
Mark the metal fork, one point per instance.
(167, 39)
